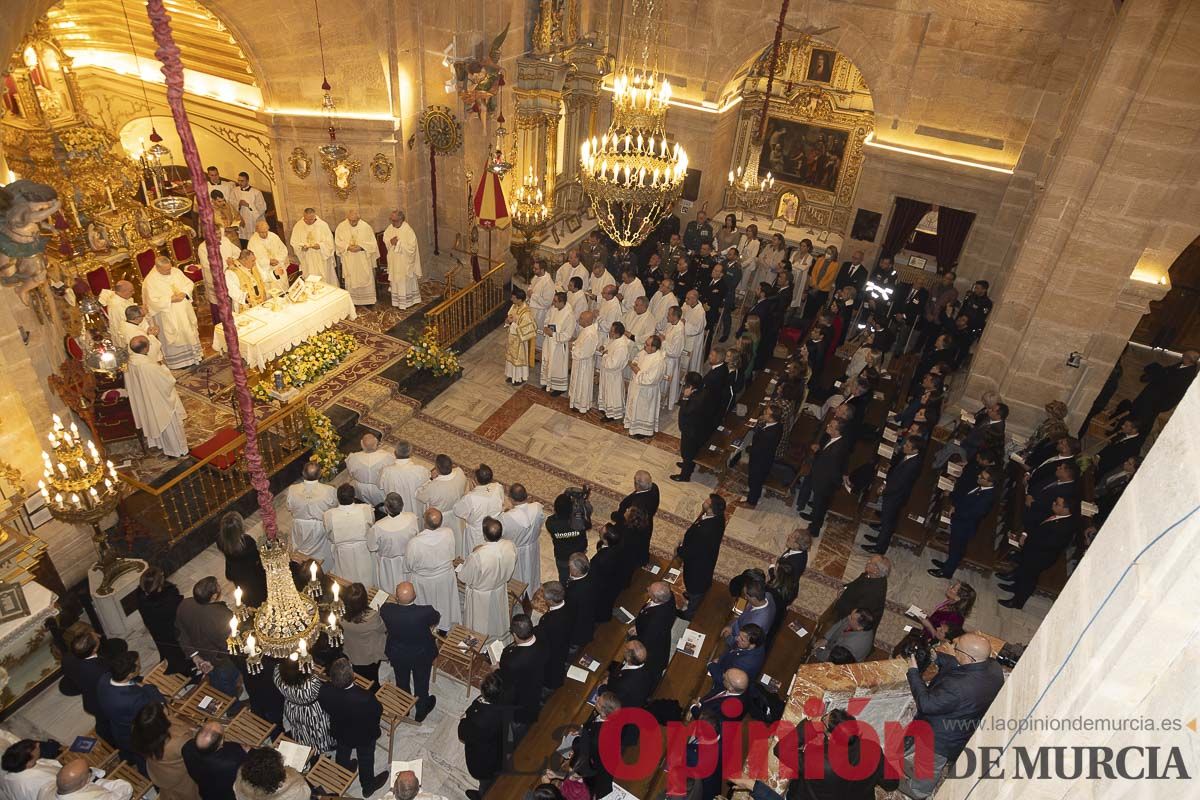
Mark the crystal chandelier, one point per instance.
(632, 175)
(530, 211)
(746, 192)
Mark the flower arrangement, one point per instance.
(308, 361)
(428, 354)
(322, 437)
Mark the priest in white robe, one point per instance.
(673, 339)
(645, 390)
(663, 300)
(135, 325)
(485, 574)
(307, 501)
(115, 301)
(617, 351)
(630, 290)
(270, 258)
(251, 206)
(348, 525)
(556, 352)
(155, 403)
(356, 247)
(430, 558)
(167, 296)
(230, 250)
(446, 485)
(639, 324)
(403, 260)
(486, 499)
(523, 527)
(693, 331)
(577, 299)
(596, 283)
(540, 297)
(364, 468)
(388, 541)
(404, 476)
(313, 243)
(571, 269)
(583, 363)
(608, 310)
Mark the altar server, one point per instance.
(135, 325)
(251, 206)
(356, 246)
(388, 539)
(403, 260)
(645, 390)
(213, 182)
(486, 499)
(673, 340)
(485, 575)
(307, 502)
(348, 525)
(541, 297)
(167, 295)
(523, 527)
(115, 301)
(364, 468)
(583, 363)
(556, 353)
(431, 569)
(155, 403)
(313, 242)
(615, 355)
(693, 330)
(404, 476)
(270, 257)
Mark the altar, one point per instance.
(264, 334)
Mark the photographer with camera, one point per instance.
(568, 527)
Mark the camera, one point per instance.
(918, 650)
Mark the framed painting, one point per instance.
(820, 65)
(803, 154)
(788, 207)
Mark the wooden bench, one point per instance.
(169, 685)
(101, 755)
(216, 707)
(461, 650)
(249, 729)
(397, 704)
(125, 771)
(325, 773)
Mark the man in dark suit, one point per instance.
(652, 626)
(699, 549)
(859, 393)
(581, 599)
(410, 647)
(853, 273)
(965, 518)
(84, 668)
(1042, 547)
(632, 681)
(119, 697)
(612, 565)
(645, 496)
(825, 475)
(1040, 500)
(760, 610)
(482, 731)
(693, 424)
(868, 590)
(747, 654)
(212, 762)
(718, 389)
(901, 478)
(734, 683)
(585, 751)
(354, 716)
(795, 554)
(768, 433)
(1126, 444)
(522, 667)
(202, 625)
(553, 631)
(1165, 387)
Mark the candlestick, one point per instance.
(154, 177)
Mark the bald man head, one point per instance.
(659, 591)
(406, 785)
(642, 480)
(124, 289)
(433, 519)
(971, 648)
(635, 653)
(370, 442)
(73, 776)
(736, 680)
(405, 593)
(209, 737)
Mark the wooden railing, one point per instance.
(468, 307)
(207, 487)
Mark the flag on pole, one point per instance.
(490, 207)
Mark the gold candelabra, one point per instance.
(530, 211)
(746, 192)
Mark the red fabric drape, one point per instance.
(905, 218)
(952, 229)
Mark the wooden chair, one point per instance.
(461, 650)
(249, 729)
(167, 684)
(127, 772)
(143, 261)
(516, 590)
(100, 757)
(217, 707)
(325, 772)
(397, 704)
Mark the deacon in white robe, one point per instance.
(556, 354)
(693, 331)
(135, 325)
(583, 363)
(571, 269)
(155, 403)
(348, 525)
(486, 499)
(430, 558)
(403, 260)
(540, 297)
(404, 476)
(167, 296)
(230, 250)
(388, 540)
(270, 258)
(645, 390)
(608, 310)
(446, 485)
(630, 290)
(616, 354)
(115, 301)
(485, 575)
(313, 242)
(251, 205)
(307, 501)
(662, 301)
(364, 468)
(523, 527)
(639, 324)
(673, 349)
(356, 246)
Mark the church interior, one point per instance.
(242, 266)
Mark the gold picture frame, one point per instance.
(300, 162)
(381, 168)
(341, 173)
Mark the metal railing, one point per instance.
(468, 307)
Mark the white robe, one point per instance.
(442, 493)
(482, 501)
(629, 293)
(611, 400)
(595, 286)
(660, 304)
(388, 540)
(578, 302)
(748, 250)
(254, 210)
(129, 331)
(404, 265)
(640, 326)
(318, 259)
(693, 331)
(801, 265)
(485, 575)
(523, 527)
(556, 354)
(176, 321)
(114, 307)
(583, 368)
(226, 188)
(238, 296)
(430, 558)
(266, 250)
(228, 250)
(540, 298)
(348, 526)
(156, 406)
(645, 392)
(607, 312)
(364, 469)
(673, 347)
(358, 267)
(404, 477)
(562, 277)
(308, 501)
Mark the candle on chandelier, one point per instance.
(302, 648)
(75, 500)
(233, 626)
(336, 589)
(62, 468)
(312, 570)
(332, 621)
(237, 596)
(251, 645)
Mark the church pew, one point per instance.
(716, 454)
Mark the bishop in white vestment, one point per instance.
(583, 364)
(313, 242)
(167, 295)
(645, 390)
(540, 297)
(485, 575)
(616, 354)
(404, 476)
(251, 205)
(431, 569)
(556, 353)
(485, 500)
(388, 540)
(155, 403)
(693, 331)
(115, 301)
(348, 525)
(270, 258)
(523, 527)
(364, 468)
(307, 501)
(673, 350)
(356, 246)
(403, 260)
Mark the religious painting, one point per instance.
(866, 225)
(820, 65)
(803, 153)
(788, 207)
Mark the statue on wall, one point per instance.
(24, 206)
(480, 80)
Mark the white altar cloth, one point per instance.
(264, 334)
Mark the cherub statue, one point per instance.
(24, 206)
(481, 81)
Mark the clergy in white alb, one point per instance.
(571, 269)
(645, 390)
(25, 772)
(523, 527)
(404, 476)
(446, 485)
(307, 501)
(663, 300)
(556, 348)
(519, 343)
(431, 569)
(365, 466)
(403, 261)
(673, 350)
(485, 574)
(270, 258)
(167, 296)
(213, 182)
(486, 499)
(540, 297)
(630, 290)
(617, 351)
(639, 324)
(155, 403)
(577, 299)
(693, 332)
(348, 525)
(313, 243)
(250, 204)
(358, 250)
(388, 542)
(583, 363)
(115, 301)
(136, 324)
(608, 310)
(596, 283)
(230, 250)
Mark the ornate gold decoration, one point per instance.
(441, 128)
(341, 173)
(381, 168)
(253, 146)
(557, 25)
(300, 162)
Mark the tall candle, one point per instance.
(237, 596)
(312, 570)
(336, 588)
(251, 645)
(233, 626)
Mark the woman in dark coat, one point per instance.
(157, 601)
(243, 566)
